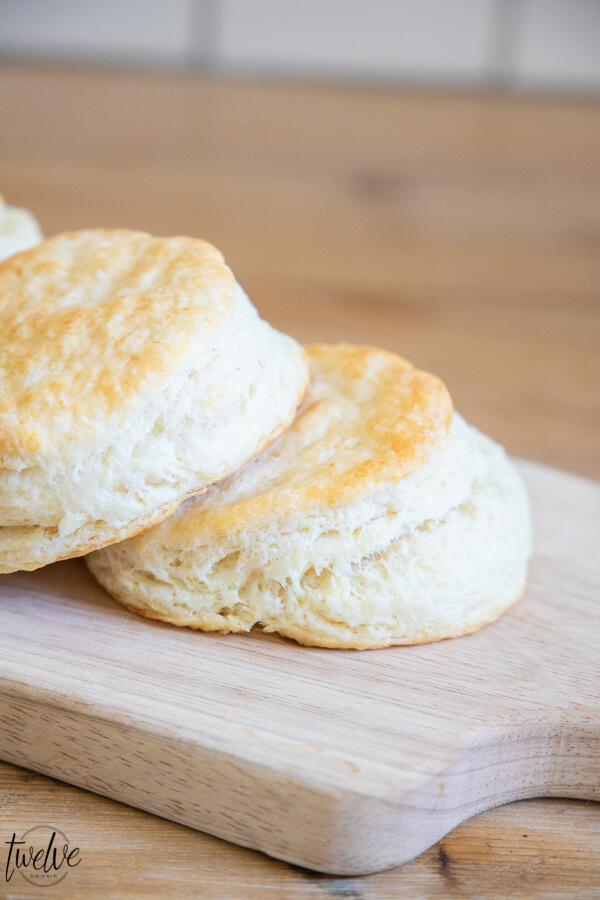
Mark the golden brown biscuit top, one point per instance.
(369, 418)
(91, 319)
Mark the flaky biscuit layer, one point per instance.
(373, 520)
(135, 372)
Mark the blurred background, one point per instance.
(419, 174)
(547, 44)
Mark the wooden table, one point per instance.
(462, 230)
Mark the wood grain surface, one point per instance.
(461, 230)
(343, 762)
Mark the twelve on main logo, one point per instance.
(42, 856)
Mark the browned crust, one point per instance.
(401, 414)
(90, 358)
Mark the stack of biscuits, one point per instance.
(217, 475)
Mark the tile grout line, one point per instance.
(204, 35)
(505, 40)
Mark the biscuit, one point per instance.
(18, 230)
(379, 517)
(134, 373)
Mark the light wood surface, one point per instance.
(343, 762)
(460, 230)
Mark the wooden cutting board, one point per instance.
(342, 761)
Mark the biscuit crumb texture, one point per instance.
(319, 539)
(135, 372)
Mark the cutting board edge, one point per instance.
(322, 826)
(332, 768)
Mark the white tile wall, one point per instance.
(113, 30)
(412, 38)
(528, 43)
(559, 44)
